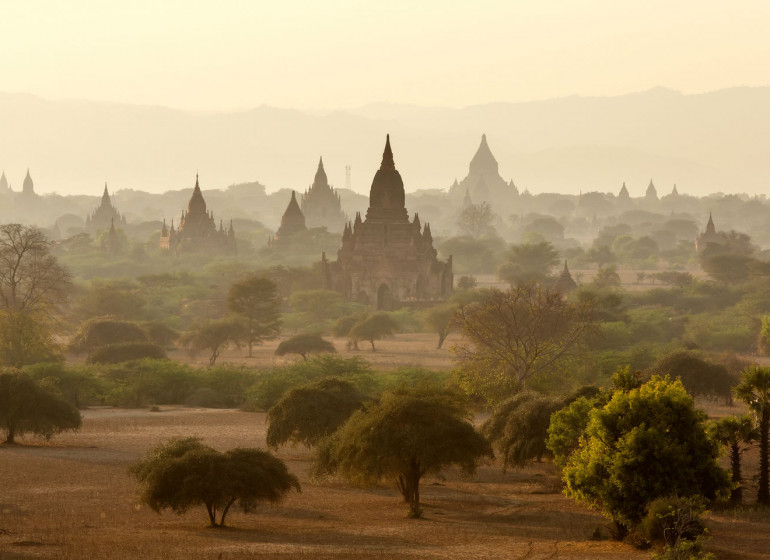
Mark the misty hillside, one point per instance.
(710, 142)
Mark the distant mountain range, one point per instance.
(718, 141)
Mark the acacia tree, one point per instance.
(528, 262)
(411, 432)
(754, 390)
(511, 336)
(439, 320)
(256, 300)
(312, 412)
(734, 432)
(374, 327)
(25, 407)
(304, 344)
(33, 285)
(215, 335)
(184, 473)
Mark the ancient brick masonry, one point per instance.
(386, 259)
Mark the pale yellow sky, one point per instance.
(231, 54)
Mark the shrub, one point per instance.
(101, 331)
(126, 352)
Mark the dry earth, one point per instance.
(71, 499)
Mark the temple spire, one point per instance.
(387, 155)
(710, 225)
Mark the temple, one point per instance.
(28, 187)
(321, 204)
(484, 182)
(4, 186)
(565, 284)
(292, 223)
(105, 215)
(652, 192)
(708, 237)
(386, 259)
(197, 231)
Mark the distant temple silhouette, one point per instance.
(483, 182)
(292, 223)
(197, 232)
(321, 204)
(28, 187)
(708, 237)
(386, 259)
(105, 215)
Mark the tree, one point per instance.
(734, 431)
(26, 407)
(476, 220)
(411, 432)
(100, 331)
(319, 305)
(518, 428)
(529, 262)
(439, 320)
(374, 327)
(256, 300)
(120, 299)
(312, 412)
(514, 335)
(125, 352)
(184, 473)
(33, 285)
(214, 335)
(646, 443)
(700, 377)
(601, 255)
(754, 390)
(466, 282)
(606, 277)
(304, 344)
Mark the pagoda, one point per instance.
(483, 180)
(386, 259)
(292, 223)
(197, 231)
(321, 205)
(105, 215)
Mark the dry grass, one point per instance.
(71, 498)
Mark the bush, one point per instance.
(206, 398)
(152, 381)
(671, 519)
(126, 352)
(101, 331)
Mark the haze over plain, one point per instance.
(258, 91)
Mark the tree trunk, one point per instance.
(373, 348)
(214, 356)
(441, 338)
(224, 512)
(763, 492)
(409, 486)
(11, 437)
(212, 514)
(736, 496)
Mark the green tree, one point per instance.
(411, 432)
(125, 352)
(214, 335)
(529, 262)
(754, 390)
(734, 432)
(121, 299)
(518, 427)
(319, 305)
(514, 335)
(601, 255)
(184, 473)
(100, 331)
(699, 376)
(606, 277)
(256, 300)
(374, 327)
(439, 320)
(25, 407)
(646, 443)
(304, 344)
(33, 287)
(308, 414)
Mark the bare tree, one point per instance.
(33, 286)
(476, 219)
(514, 335)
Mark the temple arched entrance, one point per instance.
(384, 297)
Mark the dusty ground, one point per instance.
(71, 498)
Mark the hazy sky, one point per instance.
(200, 54)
